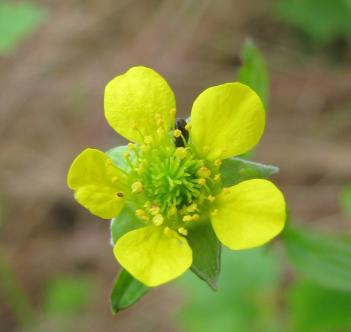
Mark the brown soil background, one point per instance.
(51, 107)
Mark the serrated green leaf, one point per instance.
(235, 170)
(324, 259)
(206, 253)
(17, 21)
(126, 292)
(345, 200)
(315, 308)
(125, 222)
(253, 71)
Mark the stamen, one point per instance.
(188, 126)
(183, 231)
(177, 133)
(217, 162)
(201, 181)
(204, 172)
(187, 218)
(137, 187)
(180, 153)
(217, 177)
(211, 198)
(158, 220)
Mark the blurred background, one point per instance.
(56, 265)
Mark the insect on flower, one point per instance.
(172, 177)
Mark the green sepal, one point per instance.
(125, 222)
(322, 258)
(236, 170)
(206, 253)
(116, 154)
(126, 292)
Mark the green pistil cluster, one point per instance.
(170, 185)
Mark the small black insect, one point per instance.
(180, 124)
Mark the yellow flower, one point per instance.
(177, 187)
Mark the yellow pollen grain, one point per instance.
(183, 231)
(214, 212)
(137, 187)
(217, 177)
(177, 133)
(204, 172)
(180, 153)
(158, 220)
(195, 217)
(187, 218)
(211, 198)
(201, 182)
(192, 207)
(167, 231)
(154, 210)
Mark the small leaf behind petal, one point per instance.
(206, 253)
(126, 292)
(236, 170)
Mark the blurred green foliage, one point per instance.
(17, 21)
(318, 309)
(322, 258)
(345, 200)
(253, 71)
(67, 296)
(246, 300)
(321, 21)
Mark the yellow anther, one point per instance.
(154, 210)
(204, 172)
(211, 198)
(140, 213)
(158, 220)
(195, 217)
(137, 187)
(177, 133)
(217, 177)
(148, 140)
(180, 153)
(167, 231)
(172, 112)
(114, 179)
(201, 181)
(217, 162)
(187, 218)
(192, 207)
(188, 126)
(131, 146)
(214, 212)
(183, 231)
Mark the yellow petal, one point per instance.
(227, 120)
(153, 257)
(137, 102)
(98, 184)
(249, 214)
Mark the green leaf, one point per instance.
(320, 21)
(316, 309)
(126, 292)
(324, 259)
(116, 154)
(206, 253)
(125, 222)
(17, 21)
(345, 200)
(246, 300)
(253, 71)
(235, 170)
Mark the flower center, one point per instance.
(170, 184)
